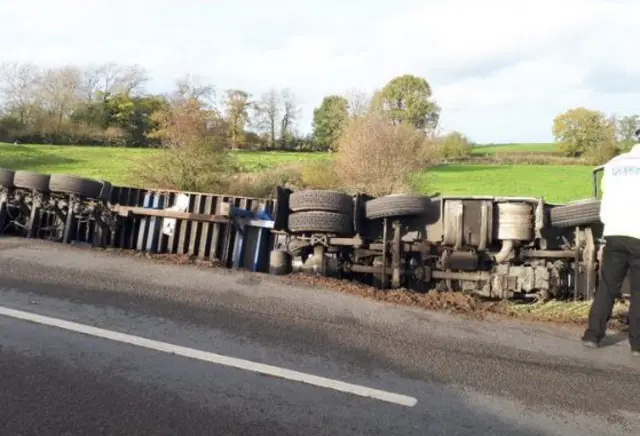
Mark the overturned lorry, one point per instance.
(496, 247)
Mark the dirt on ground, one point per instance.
(458, 303)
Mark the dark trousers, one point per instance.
(621, 254)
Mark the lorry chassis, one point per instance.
(494, 247)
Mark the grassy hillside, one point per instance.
(555, 183)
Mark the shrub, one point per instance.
(263, 184)
(602, 153)
(377, 156)
(320, 174)
(454, 145)
(192, 156)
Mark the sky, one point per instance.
(500, 69)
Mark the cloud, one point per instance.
(501, 70)
(609, 80)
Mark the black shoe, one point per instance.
(590, 344)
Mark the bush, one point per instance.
(454, 145)
(320, 174)
(263, 184)
(377, 156)
(193, 156)
(601, 154)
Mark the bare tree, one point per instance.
(236, 106)
(377, 156)
(192, 87)
(92, 82)
(111, 78)
(290, 114)
(60, 92)
(130, 80)
(18, 87)
(268, 110)
(359, 102)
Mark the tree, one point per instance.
(18, 89)
(268, 111)
(359, 102)
(193, 156)
(192, 87)
(407, 99)
(626, 127)
(378, 156)
(290, 113)
(581, 131)
(329, 121)
(60, 91)
(103, 80)
(237, 115)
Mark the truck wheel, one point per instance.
(30, 180)
(577, 213)
(321, 222)
(329, 201)
(6, 178)
(82, 187)
(396, 205)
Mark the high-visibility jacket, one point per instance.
(620, 205)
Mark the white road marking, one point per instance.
(205, 356)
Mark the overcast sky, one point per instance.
(500, 69)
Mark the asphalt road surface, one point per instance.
(97, 343)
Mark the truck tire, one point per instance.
(321, 222)
(329, 201)
(396, 205)
(30, 180)
(6, 178)
(579, 213)
(79, 186)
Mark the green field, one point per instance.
(518, 148)
(554, 183)
(262, 160)
(115, 163)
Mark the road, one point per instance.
(99, 343)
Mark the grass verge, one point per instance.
(566, 313)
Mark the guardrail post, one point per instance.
(238, 246)
(69, 221)
(142, 230)
(227, 251)
(4, 212)
(155, 225)
(395, 254)
(35, 212)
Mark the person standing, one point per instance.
(620, 215)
